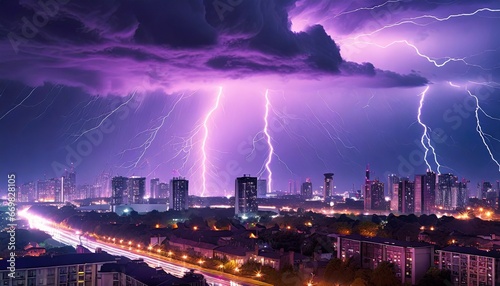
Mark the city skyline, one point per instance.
(282, 91)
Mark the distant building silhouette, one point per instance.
(245, 203)
(306, 190)
(136, 189)
(328, 186)
(179, 194)
(119, 191)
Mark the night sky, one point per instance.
(166, 88)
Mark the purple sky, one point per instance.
(344, 83)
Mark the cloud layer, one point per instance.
(118, 46)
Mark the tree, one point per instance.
(435, 277)
(368, 229)
(359, 282)
(384, 275)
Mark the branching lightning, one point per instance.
(479, 128)
(426, 139)
(106, 117)
(152, 135)
(432, 18)
(204, 143)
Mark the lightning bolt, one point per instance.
(432, 18)
(19, 104)
(365, 8)
(269, 143)
(438, 62)
(479, 128)
(204, 143)
(152, 135)
(105, 117)
(425, 135)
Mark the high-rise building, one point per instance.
(425, 193)
(69, 186)
(179, 193)
(119, 188)
(391, 180)
(245, 203)
(367, 190)
(261, 188)
(328, 186)
(377, 198)
(446, 185)
(136, 189)
(27, 192)
(463, 194)
(102, 186)
(163, 191)
(486, 187)
(87, 191)
(50, 190)
(404, 196)
(306, 190)
(154, 188)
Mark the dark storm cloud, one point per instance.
(117, 46)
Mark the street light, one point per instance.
(221, 267)
(258, 274)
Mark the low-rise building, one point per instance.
(470, 266)
(137, 273)
(411, 260)
(237, 254)
(68, 269)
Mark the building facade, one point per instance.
(179, 194)
(136, 190)
(470, 266)
(245, 203)
(68, 269)
(411, 260)
(119, 191)
(306, 190)
(328, 186)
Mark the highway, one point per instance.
(177, 268)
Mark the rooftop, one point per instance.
(58, 260)
(386, 241)
(472, 251)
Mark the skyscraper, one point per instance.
(377, 198)
(367, 190)
(463, 194)
(404, 194)
(261, 188)
(486, 187)
(154, 188)
(328, 186)
(245, 203)
(163, 191)
(425, 193)
(136, 189)
(391, 180)
(179, 192)
(306, 190)
(69, 191)
(119, 189)
(446, 182)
